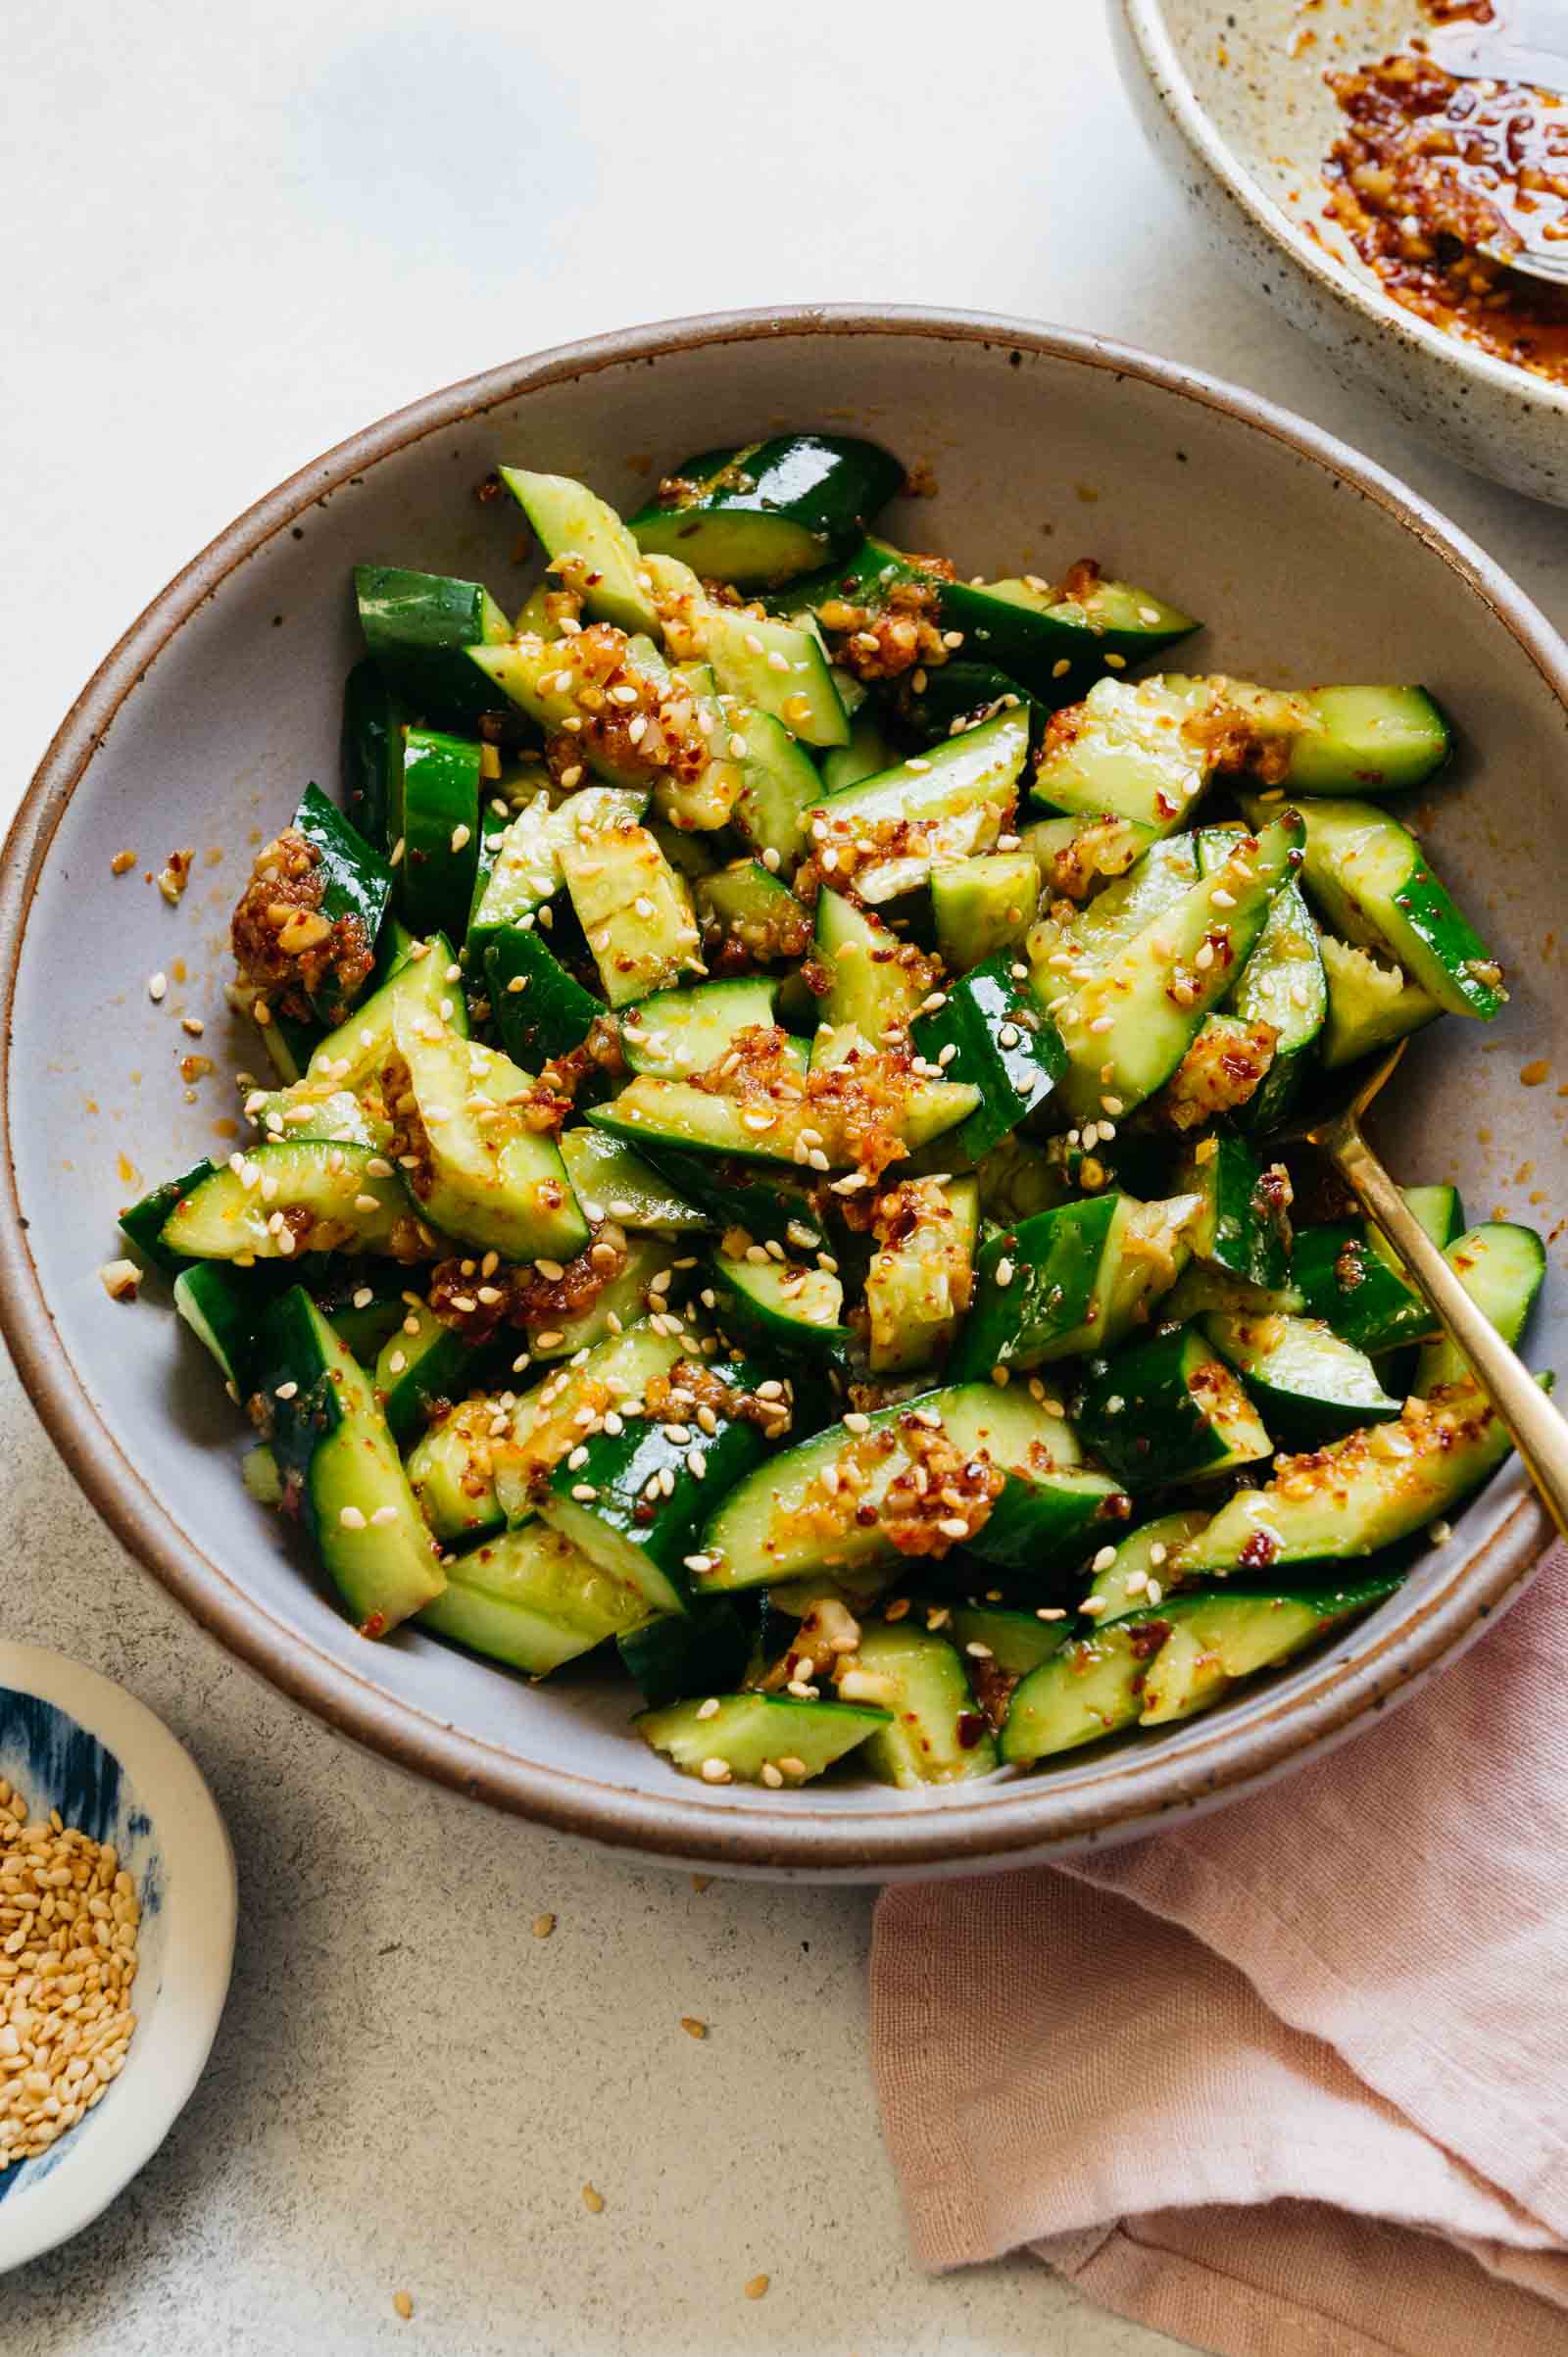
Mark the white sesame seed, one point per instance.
(351, 1518)
(157, 985)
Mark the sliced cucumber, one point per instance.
(868, 754)
(1077, 853)
(355, 886)
(588, 544)
(1368, 740)
(984, 905)
(678, 1657)
(798, 690)
(485, 1176)
(887, 832)
(1347, 1274)
(329, 1435)
(1140, 1569)
(679, 1032)
(550, 1421)
(531, 1600)
(1282, 984)
(1098, 1684)
(917, 1286)
(439, 830)
(630, 905)
(142, 1223)
(420, 1373)
(308, 1196)
(768, 1202)
(744, 904)
(750, 1734)
(1242, 1224)
(1370, 877)
(1139, 750)
(1501, 1267)
(758, 514)
(1157, 882)
(990, 1034)
(224, 1308)
(779, 784)
(356, 1052)
(1076, 1278)
(875, 982)
(418, 628)
(374, 718)
(779, 1306)
(1014, 1643)
(936, 1733)
(451, 1472)
(1309, 1385)
(610, 1181)
(540, 1010)
(675, 1112)
(1366, 1492)
(1127, 1028)
(1167, 1410)
(1370, 1005)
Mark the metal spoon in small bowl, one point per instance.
(1526, 41)
(1539, 1433)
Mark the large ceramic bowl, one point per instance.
(205, 722)
(1234, 99)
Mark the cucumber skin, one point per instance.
(1014, 1082)
(1159, 1433)
(143, 1222)
(374, 716)
(552, 1014)
(680, 1656)
(417, 627)
(441, 792)
(827, 486)
(356, 881)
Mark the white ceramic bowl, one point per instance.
(1232, 96)
(71, 1741)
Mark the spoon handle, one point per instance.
(1539, 1433)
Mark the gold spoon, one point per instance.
(1539, 1433)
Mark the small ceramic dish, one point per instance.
(1035, 447)
(71, 1741)
(1234, 99)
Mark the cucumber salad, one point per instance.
(769, 1173)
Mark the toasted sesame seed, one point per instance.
(351, 1518)
(1004, 1273)
(157, 985)
(757, 2288)
(591, 2199)
(715, 1771)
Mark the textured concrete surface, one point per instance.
(241, 236)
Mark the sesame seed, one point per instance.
(792, 1766)
(1103, 1560)
(1004, 1273)
(715, 1771)
(1094, 1603)
(460, 837)
(855, 1421)
(351, 1518)
(157, 985)
(1155, 1591)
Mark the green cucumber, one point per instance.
(1282, 984)
(526, 869)
(331, 1438)
(989, 1032)
(917, 1286)
(760, 514)
(1103, 1683)
(1009, 1642)
(1370, 1005)
(1308, 1384)
(630, 904)
(355, 886)
(359, 1050)
(875, 982)
(628, 1297)
(1139, 1571)
(981, 905)
(1242, 1225)
(610, 1181)
(888, 832)
(324, 1197)
(540, 1011)
(1127, 1028)
(1501, 1267)
(869, 751)
(451, 1472)
(1078, 852)
(779, 783)
(1348, 1274)
(1368, 740)
(961, 696)
(224, 1308)
(142, 1223)
(531, 1600)
(1370, 877)
(1366, 1492)
(439, 830)
(749, 1735)
(653, 1112)
(419, 1374)
(679, 1032)
(365, 1309)
(798, 689)
(1167, 1410)
(486, 1178)
(374, 718)
(744, 904)
(936, 1733)
(766, 1201)
(678, 1657)
(1072, 1279)
(1138, 750)
(588, 545)
(778, 1305)
(418, 628)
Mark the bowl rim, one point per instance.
(1363, 298)
(1007, 1823)
(177, 2026)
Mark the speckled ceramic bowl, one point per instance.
(71, 1741)
(1233, 97)
(203, 725)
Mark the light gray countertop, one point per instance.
(235, 237)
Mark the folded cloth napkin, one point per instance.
(1292, 2081)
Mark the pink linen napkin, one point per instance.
(1291, 2082)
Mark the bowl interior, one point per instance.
(1038, 451)
(56, 1765)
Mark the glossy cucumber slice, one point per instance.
(1101, 1683)
(612, 1181)
(330, 1438)
(779, 782)
(869, 751)
(762, 513)
(675, 1033)
(549, 1421)
(1371, 879)
(1368, 740)
(1141, 750)
(142, 1223)
(628, 1297)
(749, 1734)
(991, 1033)
(1072, 1279)
(982, 905)
(1242, 1224)
(588, 544)
(687, 1656)
(1157, 882)
(224, 1308)
(1014, 1643)
(965, 695)
(764, 1200)
(919, 1282)
(888, 832)
(355, 886)
(1370, 1003)
(1501, 1267)
(484, 1177)
(1366, 1492)
(1169, 1409)
(875, 982)
(371, 766)
(674, 1112)
(1282, 984)
(531, 1600)
(357, 1051)
(1140, 1571)
(418, 628)
(1346, 1273)
(439, 830)
(778, 1305)
(936, 1733)
(420, 1373)
(540, 1011)
(526, 869)
(744, 904)
(324, 1197)
(1078, 852)
(1127, 1028)
(451, 1472)
(1308, 1385)
(630, 904)
(798, 690)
